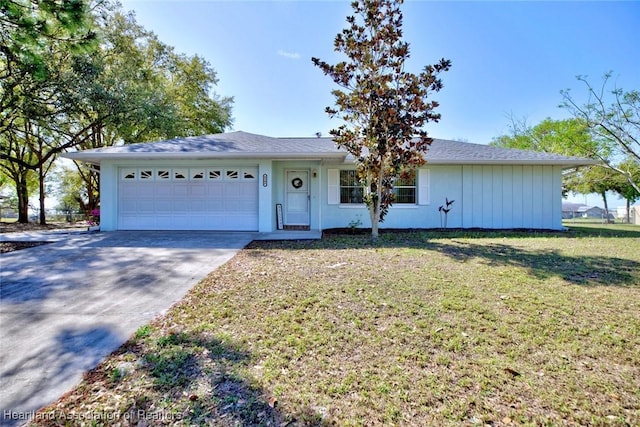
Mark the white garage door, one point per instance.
(224, 198)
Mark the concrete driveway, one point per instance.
(66, 305)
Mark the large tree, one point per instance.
(136, 89)
(593, 179)
(622, 186)
(384, 107)
(574, 137)
(30, 26)
(613, 117)
(32, 33)
(131, 88)
(570, 137)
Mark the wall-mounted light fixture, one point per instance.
(264, 179)
(314, 173)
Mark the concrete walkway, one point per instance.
(66, 305)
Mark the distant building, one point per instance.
(579, 210)
(634, 214)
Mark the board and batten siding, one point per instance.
(486, 196)
(505, 196)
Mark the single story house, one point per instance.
(578, 210)
(242, 181)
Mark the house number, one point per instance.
(296, 182)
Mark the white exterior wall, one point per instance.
(108, 196)
(266, 215)
(485, 196)
(443, 182)
(505, 197)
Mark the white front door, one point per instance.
(297, 198)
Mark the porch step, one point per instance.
(297, 227)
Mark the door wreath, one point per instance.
(296, 182)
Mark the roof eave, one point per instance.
(97, 158)
(565, 163)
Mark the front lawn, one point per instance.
(423, 328)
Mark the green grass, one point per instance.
(423, 328)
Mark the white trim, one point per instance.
(424, 178)
(333, 186)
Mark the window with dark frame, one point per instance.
(351, 191)
(404, 188)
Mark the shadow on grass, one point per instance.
(460, 245)
(187, 379)
(542, 264)
(574, 231)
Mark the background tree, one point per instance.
(131, 88)
(29, 26)
(70, 190)
(143, 90)
(613, 116)
(33, 32)
(593, 179)
(574, 137)
(622, 186)
(383, 105)
(570, 137)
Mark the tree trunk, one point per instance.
(374, 224)
(23, 198)
(606, 206)
(375, 209)
(628, 211)
(43, 216)
(93, 190)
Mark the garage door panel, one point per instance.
(128, 206)
(162, 190)
(130, 190)
(215, 190)
(182, 204)
(198, 190)
(181, 190)
(158, 206)
(145, 206)
(197, 206)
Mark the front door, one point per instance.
(297, 198)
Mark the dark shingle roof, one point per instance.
(247, 145)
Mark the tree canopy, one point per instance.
(574, 137)
(383, 106)
(570, 137)
(613, 117)
(29, 27)
(130, 87)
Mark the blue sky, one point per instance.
(509, 58)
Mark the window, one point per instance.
(197, 174)
(180, 174)
(350, 189)
(129, 173)
(146, 174)
(162, 174)
(232, 174)
(404, 188)
(214, 174)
